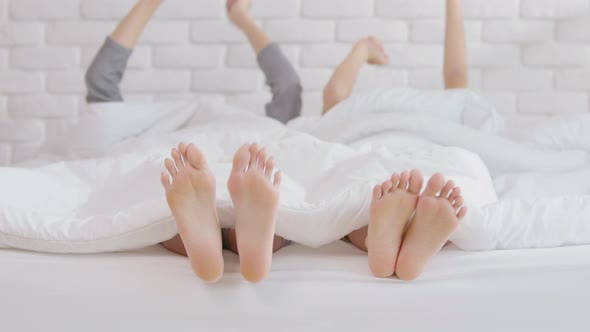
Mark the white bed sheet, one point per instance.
(323, 289)
(113, 200)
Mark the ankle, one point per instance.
(152, 2)
(242, 20)
(279, 243)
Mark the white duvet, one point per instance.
(527, 184)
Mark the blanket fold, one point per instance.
(526, 186)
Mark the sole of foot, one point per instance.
(439, 211)
(255, 194)
(190, 192)
(394, 201)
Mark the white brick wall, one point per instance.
(43, 9)
(527, 56)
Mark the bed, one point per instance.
(323, 289)
(527, 192)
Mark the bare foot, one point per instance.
(393, 204)
(439, 211)
(256, 199)
(238, 11)
(191, 197)
(374, 51)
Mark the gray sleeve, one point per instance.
(284, 83)
(106, 72)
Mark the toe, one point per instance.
(165, 181)
(270, 167)
(377, 192)
(241, 159)
(458, 202)
(404, 180)
(456, 193)
(386, 186)
(435, 185)
(182, 148)
(462, 213)
(261, 158)
(170, 167)
(254, 149)
(416, 182)
(177, 159)
(395, 179)
(195, 157)
(447, 189)
(278, 179)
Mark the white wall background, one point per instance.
(527, 56)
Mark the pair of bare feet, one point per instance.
(407, 229)
(254, 189)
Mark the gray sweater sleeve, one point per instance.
(106, 72)
(284, 83)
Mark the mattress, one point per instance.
(309, 289)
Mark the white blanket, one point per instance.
(531, 189)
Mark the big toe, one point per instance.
(435, 185)
(195, 157)
(242, 159)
